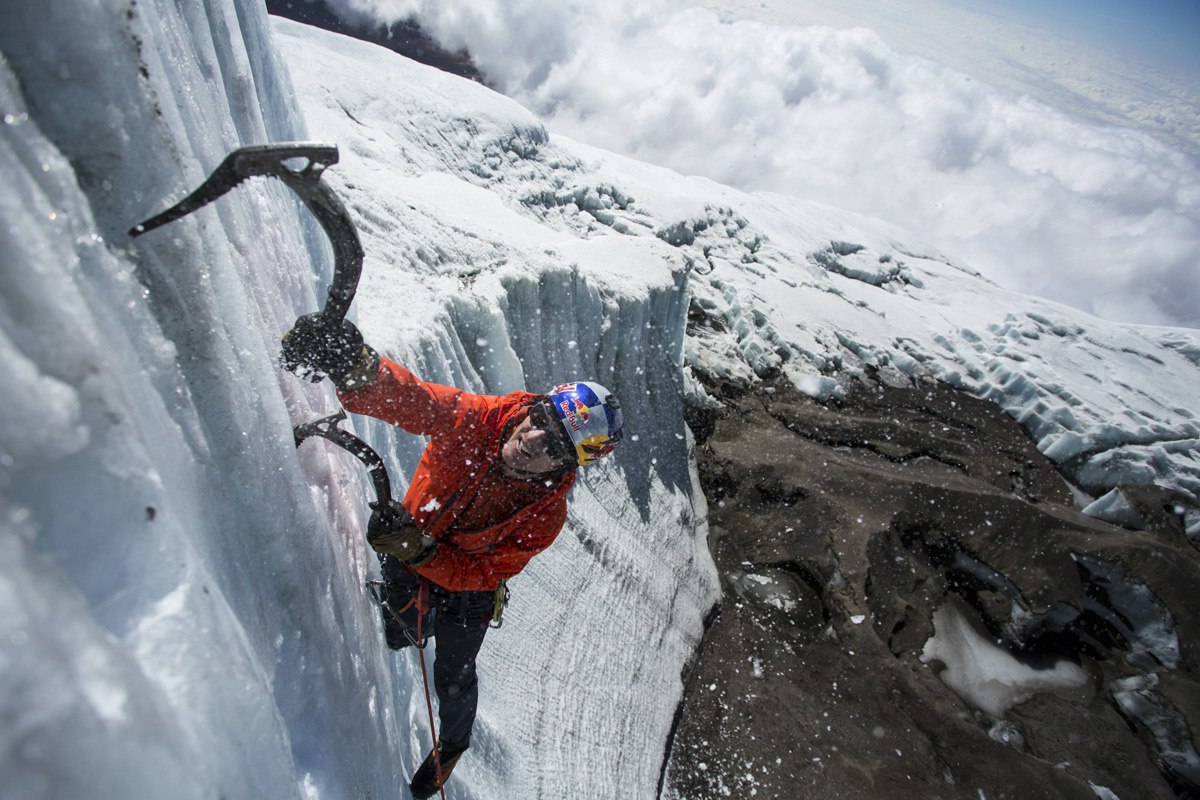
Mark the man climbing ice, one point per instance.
(489, 493)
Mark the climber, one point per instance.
(488, 494)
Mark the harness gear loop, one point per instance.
(500, 603)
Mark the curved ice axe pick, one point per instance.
(271, 160)
(327, 428)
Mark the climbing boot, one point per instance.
(429, 779)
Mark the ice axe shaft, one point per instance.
(280, 161)
(327, 428)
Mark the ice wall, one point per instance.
(175, 617)
(181, 602)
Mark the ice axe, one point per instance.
(300, 166)
(327, 428)
(275, 161)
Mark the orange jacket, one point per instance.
(487, 525)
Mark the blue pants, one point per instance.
(457, 621)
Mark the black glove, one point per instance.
(392, 530)
(316, 347)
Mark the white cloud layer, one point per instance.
(1106, 219)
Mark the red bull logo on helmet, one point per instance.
(591, 416)
(575, 413)
(583, 412)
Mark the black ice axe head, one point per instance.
(327, 428)
(299, 165)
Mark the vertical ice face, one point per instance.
(183, 593)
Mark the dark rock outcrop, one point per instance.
(849, 536)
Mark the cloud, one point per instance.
(1106, 219)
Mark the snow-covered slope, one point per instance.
(827, 297)
(181, 602)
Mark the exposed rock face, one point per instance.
(843, 532)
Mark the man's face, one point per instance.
(526, 449)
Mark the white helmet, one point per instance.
(591, 416)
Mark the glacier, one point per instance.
(182, 592)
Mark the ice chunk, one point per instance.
(818, 387)
(1114, 508)
(985, 675)
(1133, 610)
(1137, 699)
(1062, 446)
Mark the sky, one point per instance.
(1156, 31)
(1050, 164)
